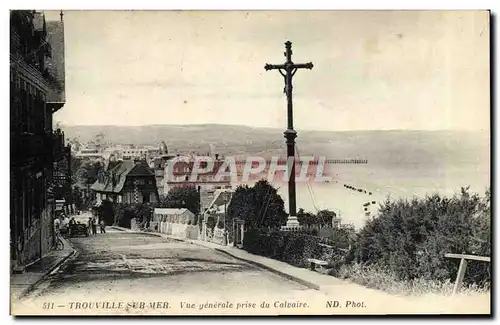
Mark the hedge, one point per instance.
(291, 247)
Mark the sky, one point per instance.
(422, 70)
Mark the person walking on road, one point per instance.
(72, 223)
(94, 227)
(103, 227)
(57, 226)
(89, 226)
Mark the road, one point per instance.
(124, 273)
(139, 267)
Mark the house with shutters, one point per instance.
(127, 182)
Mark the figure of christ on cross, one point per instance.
(288, 70)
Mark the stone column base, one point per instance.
(292, 224)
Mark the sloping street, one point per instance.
(135, 266)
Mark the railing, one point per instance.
(463, 265)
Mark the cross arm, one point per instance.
(303, 66)
(469, 257)
(274, 66)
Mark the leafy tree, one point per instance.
(89, 172)
(75, 143)
(260, 206)
(182, 197)
(322, 218)
(106, 212)
(74, 167)
(77, 198)
(306, 219)
(325, 217)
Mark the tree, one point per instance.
(106, 212)
(77, 198)
(322, 218)
(75, 167)
(306, 219)
(325, 217)
(182, 197)
(89, 172)
(75, 143)
(260, 206)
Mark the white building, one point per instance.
(171, 215)
(89, 153)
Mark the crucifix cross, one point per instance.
(288, 70)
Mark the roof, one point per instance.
(115, 178)
(170, 211)
(112, 164)
(222, 198)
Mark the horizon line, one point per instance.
(266, 127)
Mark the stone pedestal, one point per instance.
(291, 224)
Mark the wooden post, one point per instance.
(463, 265)
(460, 275)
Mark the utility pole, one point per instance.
(288, 70)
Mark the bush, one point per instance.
(410, 238)
(251, 241)
(123, 215)
(376, 277)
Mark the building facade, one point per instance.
(127, 182)
(179, 174)
(36, 93)
(158, 165)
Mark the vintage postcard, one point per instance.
(249, 162)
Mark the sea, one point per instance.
(356, 191)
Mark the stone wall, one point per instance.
(178, 230)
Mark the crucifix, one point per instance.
(288, 70)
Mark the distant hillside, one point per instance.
(397, 149)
